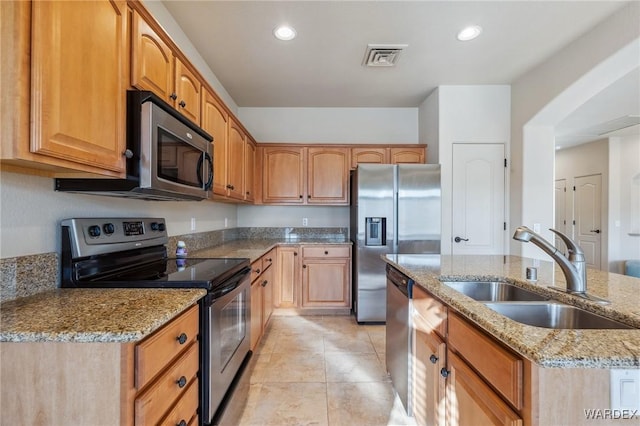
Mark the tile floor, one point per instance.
(321, 370)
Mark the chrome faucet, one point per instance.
(573, 266)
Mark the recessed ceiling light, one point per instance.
(284, 32)
(469, 33)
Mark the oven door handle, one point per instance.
(233, 283)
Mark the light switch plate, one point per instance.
(625, 389)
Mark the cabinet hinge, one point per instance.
(505, 225)
(574, 188)
(574, 222)
(505, 162)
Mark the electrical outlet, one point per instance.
(193, 223)
(226, 222)
(305, 221)
(536, 227)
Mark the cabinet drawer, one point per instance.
(154, 402)
(326, 251)
(185, 409)
(268, 259)
(501, 368)
(256, 269)
(154, 353)
(431, 314)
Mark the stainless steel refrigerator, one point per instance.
(394, 209)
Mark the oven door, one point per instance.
(227, 335)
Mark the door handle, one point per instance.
(458, 239)
(597, 231)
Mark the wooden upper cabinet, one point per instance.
(369, 156)
(215, 121)
(249, 168)
(408, 155)
(151, 60)
(236, 159)
(187, 90)
(78, 92)
(155, 67)
(283, 175)
(328, 177)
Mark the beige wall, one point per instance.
(546, 94)
(585, 160)
(624, 200)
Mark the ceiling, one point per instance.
(322, 67)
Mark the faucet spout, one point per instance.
(572, 267)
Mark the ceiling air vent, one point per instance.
(382, 55)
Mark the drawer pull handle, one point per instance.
(326, 252)
(182, 423)
(444, 373)
(182, 104)
(269, 260)
(182, 338)
(181, 382)
(433, 359)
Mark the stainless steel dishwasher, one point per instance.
(398, 336)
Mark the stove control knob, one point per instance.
(108, 228)
(94, 231)
(154, 226)
(161, 227)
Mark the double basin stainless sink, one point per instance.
(530, 308)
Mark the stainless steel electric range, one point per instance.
(131, 252)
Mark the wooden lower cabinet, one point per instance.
(288, 277)
(461, 376)
(153, 381)
(326, 276)
(262, 297)
(470, 401)
(429, 398)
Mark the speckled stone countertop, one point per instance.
(256, 248)
(92, 315)
(545, 347)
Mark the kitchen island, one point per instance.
(470, 362)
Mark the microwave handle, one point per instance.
(205, 156)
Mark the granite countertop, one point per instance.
(545, 347)
(256, 248)
(117, 315)
(92, 315)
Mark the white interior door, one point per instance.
(560, 220)
(478, 199)
(587, 213)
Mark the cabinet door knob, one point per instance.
(173, 96)
(304, 266)
(182, 104)
(128, 153)
(182, 338)
(444, 373)
(295, 254)
(326, 252)
(181, 382)
(182, 423)
(301, 197)
(264, 283)
(433, 359)
(309, 197)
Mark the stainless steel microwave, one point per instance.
(168, 157)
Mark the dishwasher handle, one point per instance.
(400, 281)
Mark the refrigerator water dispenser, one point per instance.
(375, 231)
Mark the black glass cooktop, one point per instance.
(172, 273)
